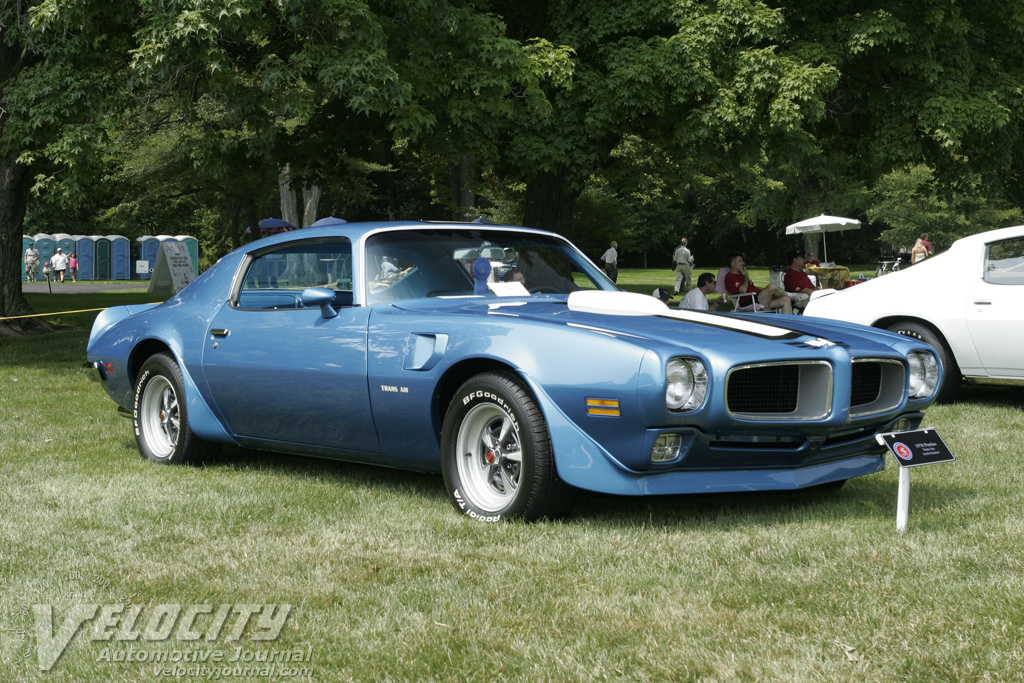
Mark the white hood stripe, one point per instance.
(630, 303)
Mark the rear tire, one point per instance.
(951, 371)
(160, 415)
(496, 453)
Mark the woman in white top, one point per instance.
(919, 252)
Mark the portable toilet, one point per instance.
(120, 257)
(149, 249)
(101, 257)
(45, 245)
(65, 242)
(85, 248)
(193, 249)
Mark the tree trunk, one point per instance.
(14, 186)
(289, 203)
(234, 230)
(462, 197)
(550, 203)
(310, 203)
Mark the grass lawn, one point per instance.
(387, 582)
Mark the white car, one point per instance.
(967, 302)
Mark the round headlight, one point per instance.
(924, 374)
(686, 383)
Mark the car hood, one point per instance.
(645, 320)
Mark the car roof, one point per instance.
(357, 231)
(990, 236)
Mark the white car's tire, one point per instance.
(951, 371)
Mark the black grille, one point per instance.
(867, 382)
(768, 389)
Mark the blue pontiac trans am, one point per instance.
(505, 359)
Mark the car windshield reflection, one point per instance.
(416, 264)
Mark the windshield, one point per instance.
(414, 264)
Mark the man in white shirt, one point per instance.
(611, 261)
(59, 261)
(31, 261)
(697, 298)
(682, 260)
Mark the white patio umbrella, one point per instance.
(823, 224)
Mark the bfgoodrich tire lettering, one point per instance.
(496, 453)
(951, 371)
(160, 415)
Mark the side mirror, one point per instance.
(322, 297)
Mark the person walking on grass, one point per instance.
(31, 261)
(59, 261)
(682, 261)
(610, 258)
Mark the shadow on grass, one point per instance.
(866, 498)
(994, 393)
(421, 484)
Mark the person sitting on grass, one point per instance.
(738, 282)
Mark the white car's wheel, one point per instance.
(951, 371)
(497, 458)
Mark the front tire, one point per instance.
(951, 371)
(160, 414)
(496, 453)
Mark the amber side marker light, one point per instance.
(603, 406)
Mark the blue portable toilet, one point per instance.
(45, 245)
(65, 242)
(120, 257)
(25, 241)
(193, 249)
(85, 248)
(149, 249)
(101, 257)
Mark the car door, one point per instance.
(995, 309)
(282, 372)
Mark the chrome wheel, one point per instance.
(159, 418)
(490, 459)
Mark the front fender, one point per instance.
(580, 460)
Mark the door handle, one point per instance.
(219, 332)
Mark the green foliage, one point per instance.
(909, 201)
(725, 120)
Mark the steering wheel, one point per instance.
(544, 289)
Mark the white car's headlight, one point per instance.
(686, 383)
(924, 374)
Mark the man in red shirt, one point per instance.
(798, 284)
(737, 281)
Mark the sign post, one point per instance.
(919, 447)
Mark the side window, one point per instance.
(1004, 262)
(275, 279)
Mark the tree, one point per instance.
(254, 83)
(60, 73)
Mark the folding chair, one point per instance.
(744, 301)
